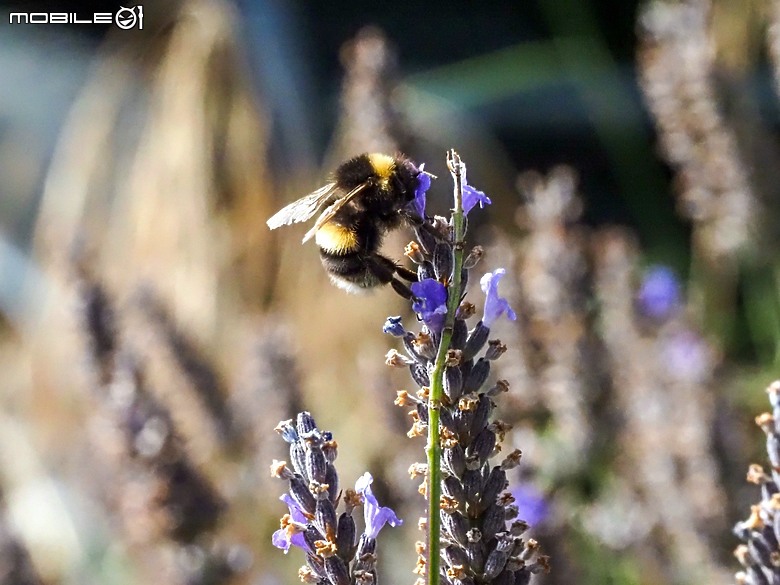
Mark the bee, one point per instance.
(367, 197)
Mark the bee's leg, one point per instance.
(384, 270)
(419, 223)
(406, 274)
(401, 289)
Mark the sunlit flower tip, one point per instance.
(453, 358)
(766, 422)
(472, 197)
(495, 306)
(441, 226)
(430, 302)
(394, 327)
(465, 311)
(286, 429)
(476, 254)
(413, 251)
(773, 390)
(659, 294)
(306, 575)
(495, 349)
(756, 474)
(397, 360)
(423, 184)
(375, 515)
(512, 460)
(280, 470)
(403, 398)
(531, 504)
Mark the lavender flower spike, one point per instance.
(430, 303)
(375, 515)
(495, 306)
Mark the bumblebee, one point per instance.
(367, 197)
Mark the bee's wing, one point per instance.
(328, 214)
(302, 209)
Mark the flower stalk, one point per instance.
(433, 449)
(473, 534)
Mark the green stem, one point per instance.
(433, 449)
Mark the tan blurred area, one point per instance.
(158, 190)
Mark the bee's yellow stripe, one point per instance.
(383, 164)
(336, 238)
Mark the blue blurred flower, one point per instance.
(472, 197)
(287, 536)
(531, 504)
(430, 302)
(495, 306)
(423, 184)
(375, 515)
(659, 293)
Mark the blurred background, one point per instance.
(153, 331)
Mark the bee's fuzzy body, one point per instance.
(369, 194)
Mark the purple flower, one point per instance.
(375, 515)
(495, 306)
(530, 502)
(423, 184)
(430, 302)
(394, 327)
(472, 196)
(659, 293)
(287, 536)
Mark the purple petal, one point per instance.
(375, 515)
(394, 327)
(285, 537)
(423, 184)
(295, 510)
(430, 302)
(472, 197)
(495, 306)
(281, 539)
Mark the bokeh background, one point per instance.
(153, 331)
